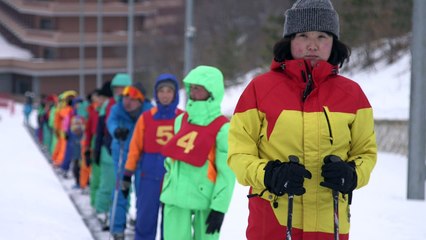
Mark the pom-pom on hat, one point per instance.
(311, 15)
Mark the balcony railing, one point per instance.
(73, 9)
(60, 39)
(39, 67)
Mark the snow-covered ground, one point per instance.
(33, 204)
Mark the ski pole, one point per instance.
(335, 204)
(289, 216)
(292, 159)
(117, 186)
(336, 214)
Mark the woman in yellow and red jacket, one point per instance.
(303, 110)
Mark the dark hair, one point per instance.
(340, 52)
(95, 92)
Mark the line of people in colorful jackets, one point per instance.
(118, 141)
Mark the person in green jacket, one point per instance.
(51, 124)
(198, 184)
(47, 130)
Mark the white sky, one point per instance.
(33, 204)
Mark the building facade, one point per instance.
(77, 44)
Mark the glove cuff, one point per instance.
(355, 176)
(267, 179)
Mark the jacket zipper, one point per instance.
(330, 132)
(308, 88)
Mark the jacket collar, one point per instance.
(320, 72)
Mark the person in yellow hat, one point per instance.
(62, 112)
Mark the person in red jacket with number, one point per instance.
(152, 131)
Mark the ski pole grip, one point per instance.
(332, 159)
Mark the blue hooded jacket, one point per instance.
(166, 112)
(119, 117)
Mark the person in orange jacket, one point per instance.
(153, 129)
(63, 111)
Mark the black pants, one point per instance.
(76, 171)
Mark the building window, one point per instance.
(49, 53)
(46, 24)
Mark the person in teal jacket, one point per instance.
(28, 106)
(198, 184)
(120, 125)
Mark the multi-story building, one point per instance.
(76, 44)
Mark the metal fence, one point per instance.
(392, 136)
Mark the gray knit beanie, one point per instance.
(311, 15)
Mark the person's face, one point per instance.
(131, 104)
(311, 46)
(117, 90)
(198, 93)
(165, 95)
(69, 100)
(100, 99)
(96, 98)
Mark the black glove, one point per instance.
(121, 133)
(339, 175)
(67, 136)
(125, 185)
(87, 155)
(214, 221)
(97, 157)
(285, 177)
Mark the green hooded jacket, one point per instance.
(185, 185)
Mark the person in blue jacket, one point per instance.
(28, 106)
(152, 131)
(120, 124)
